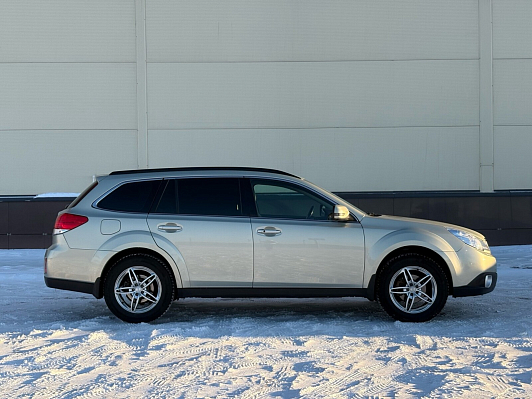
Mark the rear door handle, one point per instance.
(169, 227)
(269, 231)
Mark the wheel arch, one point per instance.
(134, 251)
(415, 250)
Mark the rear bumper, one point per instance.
(477, 286)
(72, 285)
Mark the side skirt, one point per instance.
(271, 292)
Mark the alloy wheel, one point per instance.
(413, 289)
(138, 289)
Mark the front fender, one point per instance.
(380, 247)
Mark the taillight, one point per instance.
(68, 221)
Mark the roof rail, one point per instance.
(202, 168)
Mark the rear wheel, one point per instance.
(412, 287)
(138, 288)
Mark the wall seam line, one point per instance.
(142, 111)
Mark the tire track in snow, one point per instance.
(479, 347)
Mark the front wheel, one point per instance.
(138, 288)
(412, 288)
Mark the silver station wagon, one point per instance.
(144, 238)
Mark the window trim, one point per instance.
(243, 180)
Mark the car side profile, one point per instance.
(144, 238)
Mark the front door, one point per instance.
(295, 243)
(202, 218)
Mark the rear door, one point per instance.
(203, 219)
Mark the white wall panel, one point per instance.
(68, 96)
(67, 31)
(512, 29)
(310, 30)
(513, 162)
(512, 92)
(40, 161)
(337, 159)
(316, 94)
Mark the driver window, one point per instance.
(288, 201)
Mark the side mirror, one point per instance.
(340, 212)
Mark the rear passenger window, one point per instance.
(209, 197)
(131, 197)
(202, 196)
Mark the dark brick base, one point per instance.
(505, 218)
(27, 222)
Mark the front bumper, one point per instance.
(477, 286)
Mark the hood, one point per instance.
(399, 223)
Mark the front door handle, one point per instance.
(269, 231)
(169, 227)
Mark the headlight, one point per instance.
(471, 240)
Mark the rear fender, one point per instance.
(143, 239)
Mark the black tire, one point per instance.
(412, 288)
(146, 285)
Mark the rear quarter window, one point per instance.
(131, 197)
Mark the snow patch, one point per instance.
(65, 344)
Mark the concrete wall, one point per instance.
(68, 106)
(355, 95)
(512, 88)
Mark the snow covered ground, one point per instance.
(63, 344)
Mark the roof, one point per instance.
(202, 168)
